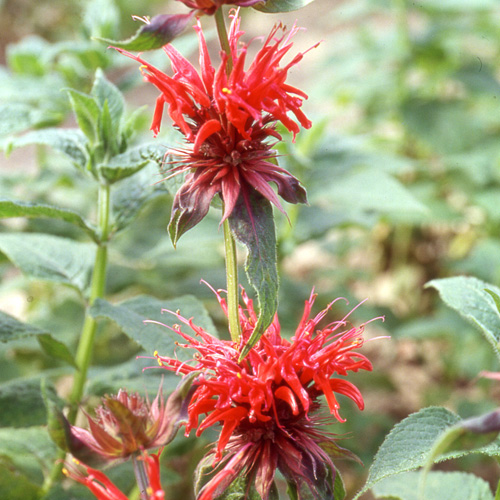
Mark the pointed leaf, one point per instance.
(69, 141)
(253, 225)
(274, 6)
(12, 329)
(161, 30)
(56, 349)
(131, 314)
(86, 112)
(128, 163)
(50, 258)
(12, 208)
(104, 91)
(468, 297)
(439, 486)
(411, 442)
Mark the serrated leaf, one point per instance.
(407, 445)
(131, 314)
(132, 194)
(56, 349)
(274, 6)
(50, 258)
(86, 112)
(12, 329)
(128, 163)
(12, 208)
(158, 32)
(105, 92)
(439, 486)
(411, 442)
(338, 487)
(469, 298)
(253, 225)
(71, 142)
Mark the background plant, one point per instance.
(402, 174)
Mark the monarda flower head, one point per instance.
(127, 424)
(267, 403)
(230, 119)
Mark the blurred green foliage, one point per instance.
(402, 169)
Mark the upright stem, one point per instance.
(84, 350)
(141, 477)
(229, 243)
(232, 283)
(223, 39)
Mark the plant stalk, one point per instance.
(223, 39)
(229, 243)
(141, 477)
(85, 346)
(232, 283)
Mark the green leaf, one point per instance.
(407, 445)
(132, 194)
(105, 92)
(253, 225)
(273, 6)
(15, 485)
(87, 113)
(338, 487)
(12, 208)
(468, 297)
(439, 486)
(131, 314)
(422, 437)
(128, 163)
(69, 141)
(158, 32)
(56, 349)
(51, 258)
(16, 117)
(12, 329)
(29, 451)
(21, 403)
(370, 190)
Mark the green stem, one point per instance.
(85, 346)
(497, 493)
(232, 283)
(84, 350)
(229, 243)
(141, 477)
(223, 38)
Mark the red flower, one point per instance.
(210, 6)
(267, 402)
(102, 487)
(230, 121)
